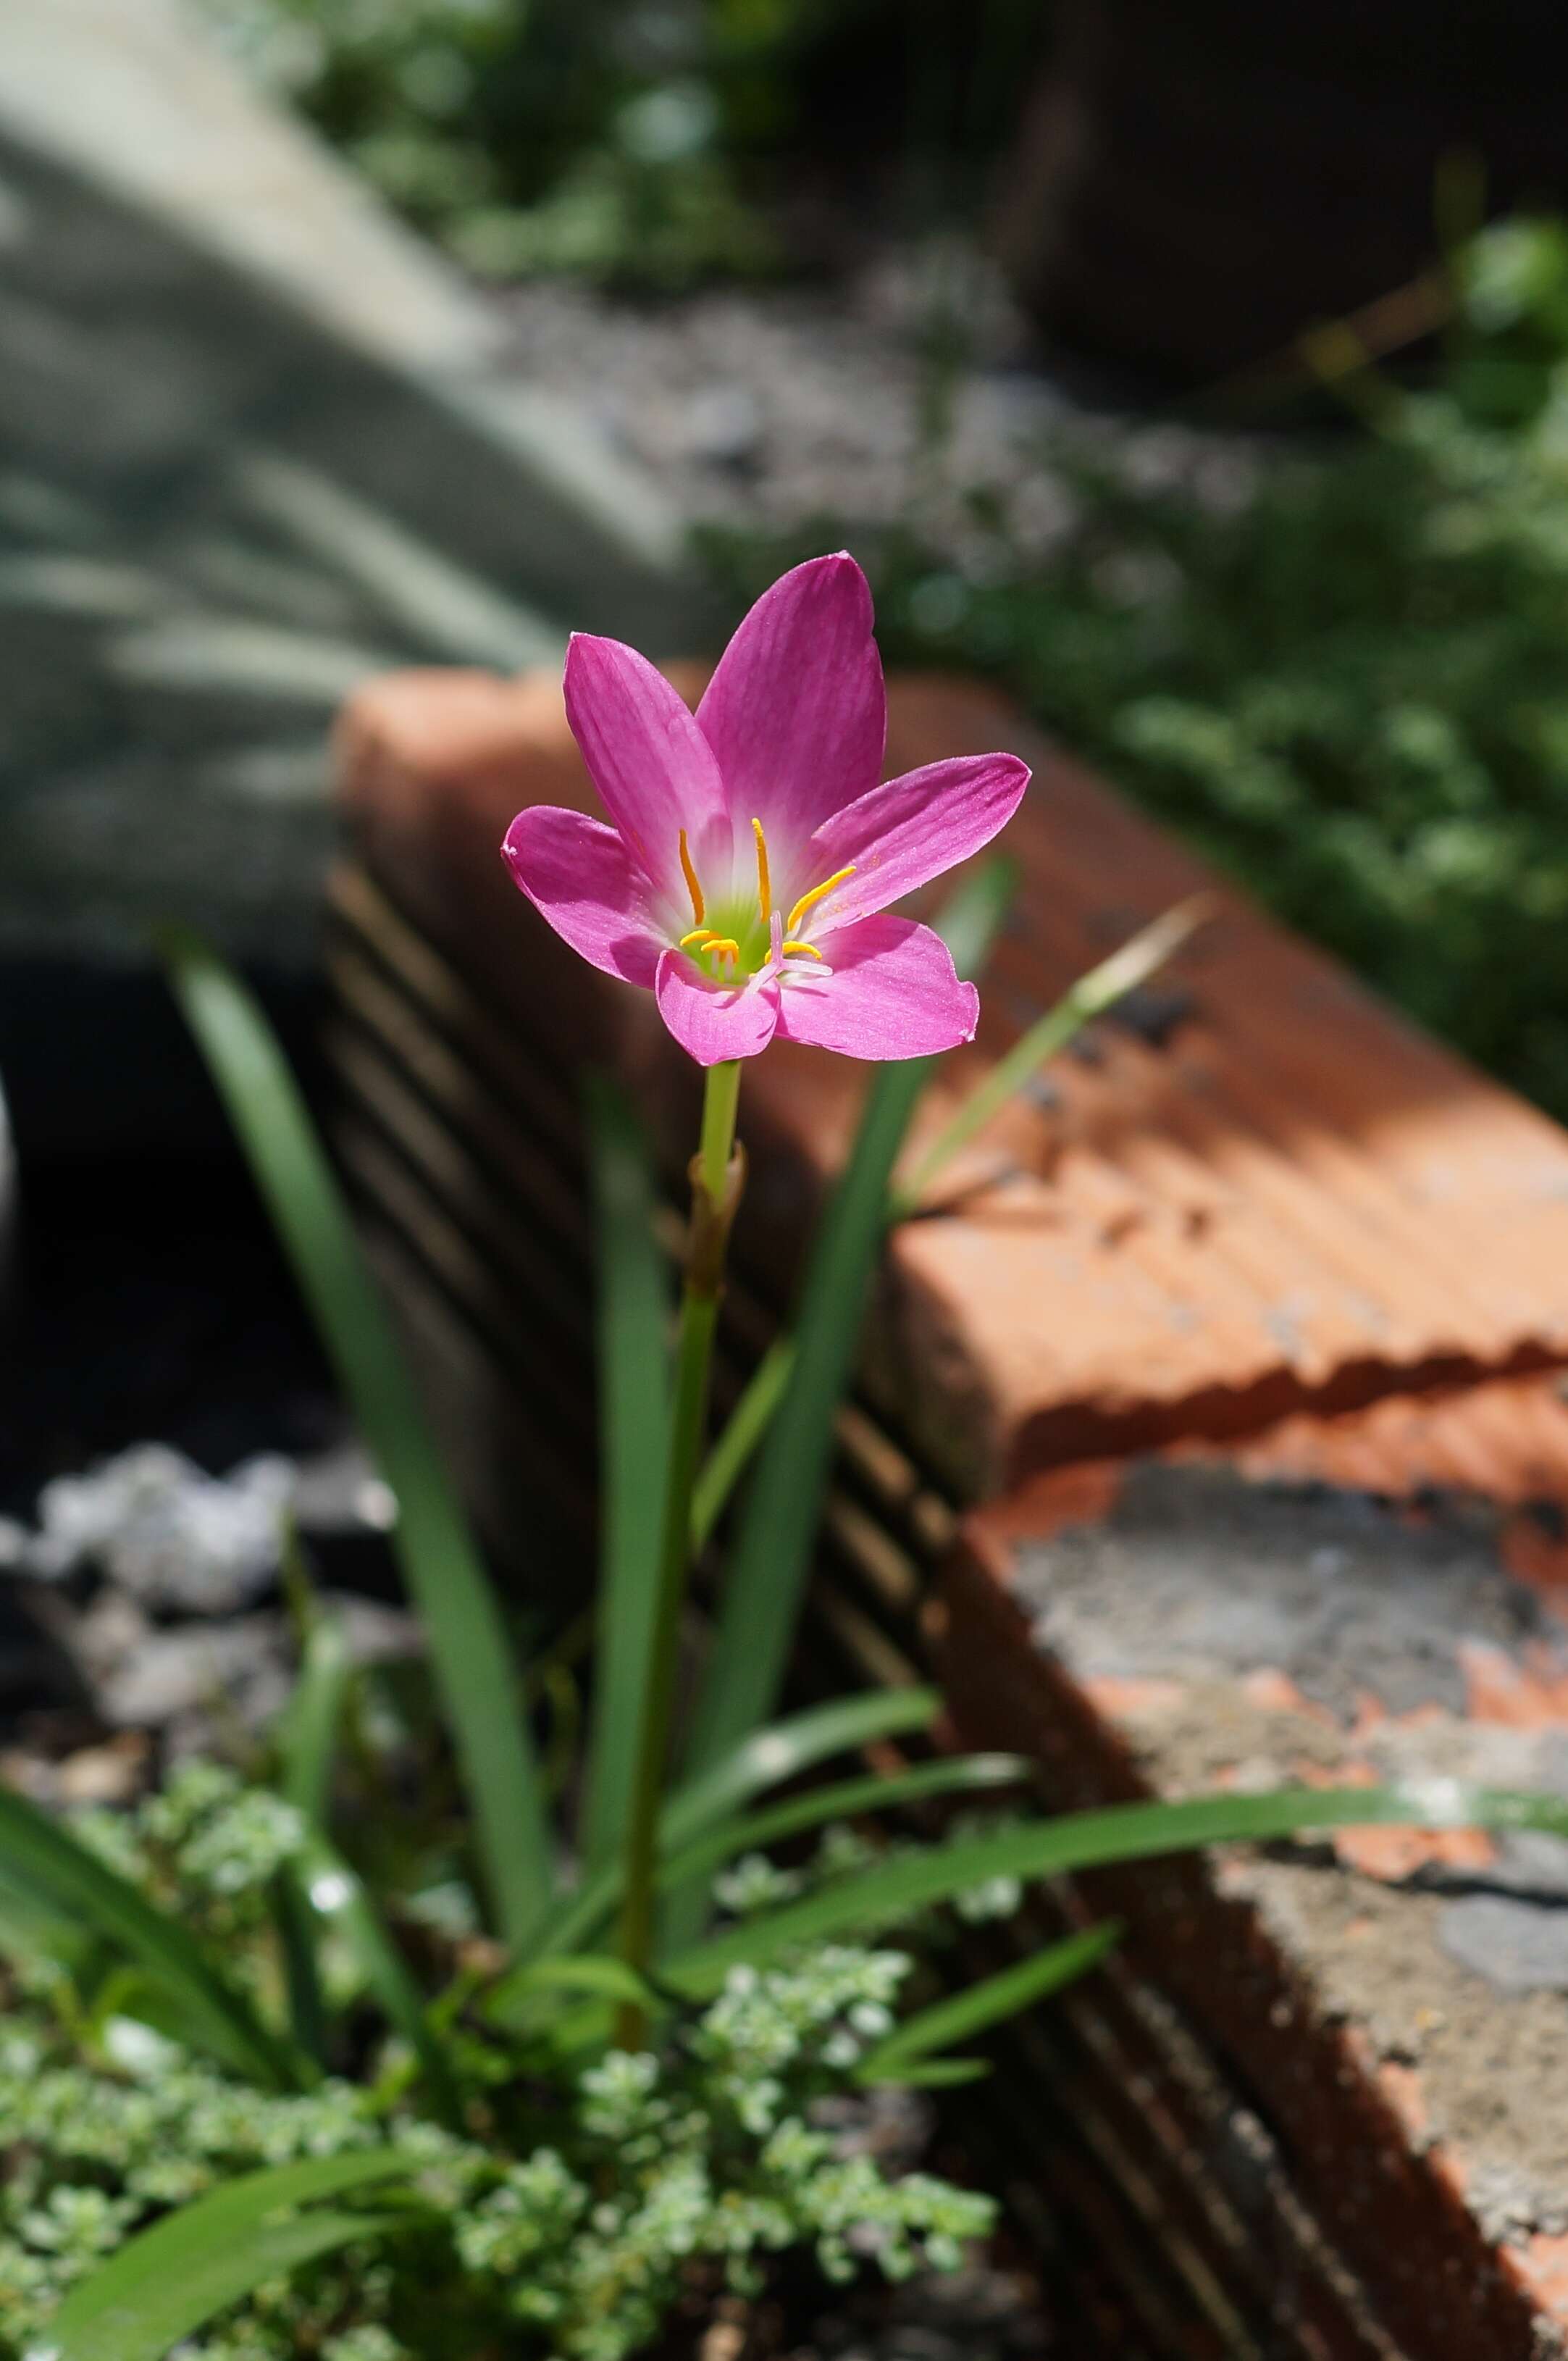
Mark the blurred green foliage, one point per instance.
(641, 141)
(1340, 665)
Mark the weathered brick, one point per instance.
(1262, 1193)
(1392, 2001)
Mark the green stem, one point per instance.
(718, 1138)
(716, 1187)
(747, 1424)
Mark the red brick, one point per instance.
(1298, 1201)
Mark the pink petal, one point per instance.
(653, 768)
(710, 1024)
(579, 875)
(893, 993)
(795, 711)
(901, 835)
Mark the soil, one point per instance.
(985, 2311)
(891, 396)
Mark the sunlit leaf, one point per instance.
(307, 1737)
(772, 1556)
(333, 1892)
(902, 1886)
(1090, 997)
(468, 1637)
(167, 2282)
(634, 1328)
(941, 2073)
(741, 1438)
(980, 2006)
(49, 1862)
(842, 1799)
(765, 1759)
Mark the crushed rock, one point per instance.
(893, 398)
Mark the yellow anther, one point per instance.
(809, 949)
(723, 947)
(809, 901)
(697, 934)
(764, 884)
(699, 908)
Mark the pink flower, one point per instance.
(746, 877)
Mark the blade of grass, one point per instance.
(592, 1971)
(772, 1551)
(321, 1889)
(879, 1792)
(308, 1726)
(445, 1576)
(943, 2073)
(635, 1308)
(1091, 1839)
(49, 1862)
(765, 1759)
(741, 1438)
(167, 2282)
(307, 1738)
(1090, 997)
(331, 1890)
(991, 2002)
(782, 1750)
(302, 1974)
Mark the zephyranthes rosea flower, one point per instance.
(746, 877)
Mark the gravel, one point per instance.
(886, 399)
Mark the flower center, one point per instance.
(739, 938)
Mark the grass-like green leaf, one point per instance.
(991, 2002)
(49, 1864)
(697, 1862)
(741, 1438)
(1082, 1841)
(167, 2283)
(1090, 997)
(447, 1578)
(778, 1527)
(307, 1739)
(333, 1892)
(308, 1728)
(32, 1928)
(941, 2073)
(633, 1335)
(765, 1759)
(597, 1972)
(841, 1799)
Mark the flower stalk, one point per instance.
(718, 1175)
